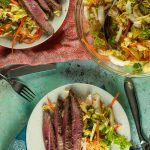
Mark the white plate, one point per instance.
(34, 136)
(56, 23)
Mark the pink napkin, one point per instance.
(63, 46)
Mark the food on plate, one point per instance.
(26, 20)
(38, 14)
(129, 30)
(45, 7)
(77, 123)
(67, 124)
(100, 127)
(54, 5)
(81, 124)
(58, 124)
(48, 131)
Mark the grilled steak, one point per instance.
(38, 14)
(45, 7)
(77, 123)
(67, 125)
(48, 132)
(58, 123)
(53, 4)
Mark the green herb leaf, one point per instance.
(98, 42)
(5, 2)
(145, 33)
(144, 9)
(137, 68)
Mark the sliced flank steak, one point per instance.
(54, 5)
(38, 14)
(45, 7)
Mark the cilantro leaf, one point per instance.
(137, 68)
(5, 2)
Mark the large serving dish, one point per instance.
(56, 22)
(34, 136)
(82, 27)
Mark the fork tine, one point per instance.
(29, 89)
(27, 95)
(24, 97)
(29, 92)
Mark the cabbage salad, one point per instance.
(129, 30)
(16, 24)
(100, 127)
(94, 12)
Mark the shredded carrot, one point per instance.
(88, 140)
(126, 31)
(114, 100)
(5, 27)
(99, 61)
(94, 50)
(14, 2)
(50, 104)
(127, 50)
(133, 54)
(139, 43)
(117, 126)
(29, 38)
(17, 32)
(101, 104)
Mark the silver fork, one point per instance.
(132, 98)
(20, 88)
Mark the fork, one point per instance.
(130, 92)
(20, 88)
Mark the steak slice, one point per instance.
(77, 123)
(48, 132)
(38, 14)
(45, 7)
(67, 125)
(53, 4)
(58, 124)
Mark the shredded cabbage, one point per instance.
(100, 123)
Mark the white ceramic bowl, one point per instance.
(34, 136)
(56, 23)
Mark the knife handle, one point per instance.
(6, 69)
(132, 99)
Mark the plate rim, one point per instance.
(72, 84)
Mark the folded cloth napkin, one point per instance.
(63, 46)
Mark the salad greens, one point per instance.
(16, 24)
(94, 12)
(100, 127)
(133, 19)
(129, 30)
(5, 2)
(145, 33)
(98, 42)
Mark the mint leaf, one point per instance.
(5, 2)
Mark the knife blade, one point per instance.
(28, 69)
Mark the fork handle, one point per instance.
(130, 92)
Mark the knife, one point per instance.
(28, 69)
